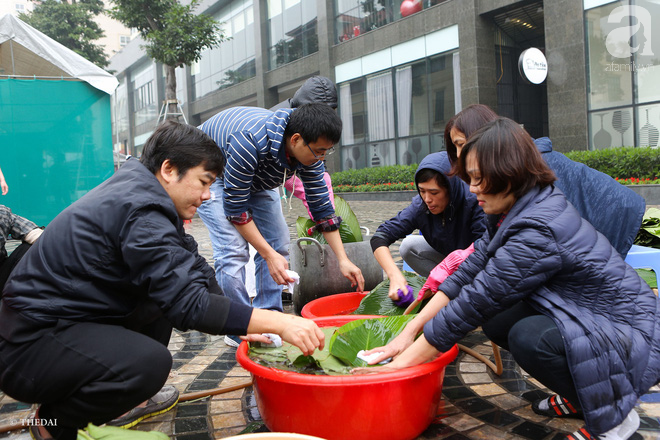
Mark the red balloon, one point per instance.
(409, 7)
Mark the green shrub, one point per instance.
(626, 164)
(622, 162)
(376, 175)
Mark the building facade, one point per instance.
(403, 69)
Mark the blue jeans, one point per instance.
(231, 252)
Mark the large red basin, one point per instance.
(394, 406)
(331, 305)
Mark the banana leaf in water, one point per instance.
(342, 344)
(365, 334)
(288, 357)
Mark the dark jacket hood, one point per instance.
(440, 162)
(317, 89)
(461, 223)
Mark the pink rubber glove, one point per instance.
(446, 267)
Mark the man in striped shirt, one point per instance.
(263, 149)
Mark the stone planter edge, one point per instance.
(378, 196)
(651, 193)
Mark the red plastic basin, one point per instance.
(331, 305)
(394, 406)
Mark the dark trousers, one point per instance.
(535, 343)
(86, 372)
(10, 262)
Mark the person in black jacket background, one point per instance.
(87, 314)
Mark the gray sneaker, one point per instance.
(163, 401)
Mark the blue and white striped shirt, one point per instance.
(252, 141)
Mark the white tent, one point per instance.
(26, 52)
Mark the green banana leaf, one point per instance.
(351, 232)
(92, 432)
(365, 334)
(349, 229)
(649, 232)
(648, 276)
(288, 357)
(378, 303)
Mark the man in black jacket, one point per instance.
(87, 314)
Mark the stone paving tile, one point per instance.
(476, 403)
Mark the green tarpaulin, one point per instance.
(56, 143)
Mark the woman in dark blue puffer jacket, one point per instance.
(548, 287)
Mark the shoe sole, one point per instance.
(232, 344)
(146, 416)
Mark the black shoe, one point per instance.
(557, 407)
(162, 402)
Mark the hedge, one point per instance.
(628, 165)
(376, 175)
(622, 162)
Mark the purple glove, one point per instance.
(405, 299)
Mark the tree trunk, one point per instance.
(170, 93)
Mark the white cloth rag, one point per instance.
(296, 278)
(275, 340)
(370, 357)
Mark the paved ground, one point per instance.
(477, 404)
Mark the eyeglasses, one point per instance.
(322, 155)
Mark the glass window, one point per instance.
(380, 106)
(413, 150)
(353, 157)
(621, 60)
(120, 119)
(292, 30)
(144, 94)
(610, 78)
(649, 121)
(647, 57)
(381, 154)
(352, 110)
(612, 128)
(355, 17)
(397, 116)
(441, 91)
(233, 60)
(411, 100)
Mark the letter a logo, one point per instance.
(619, 40)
